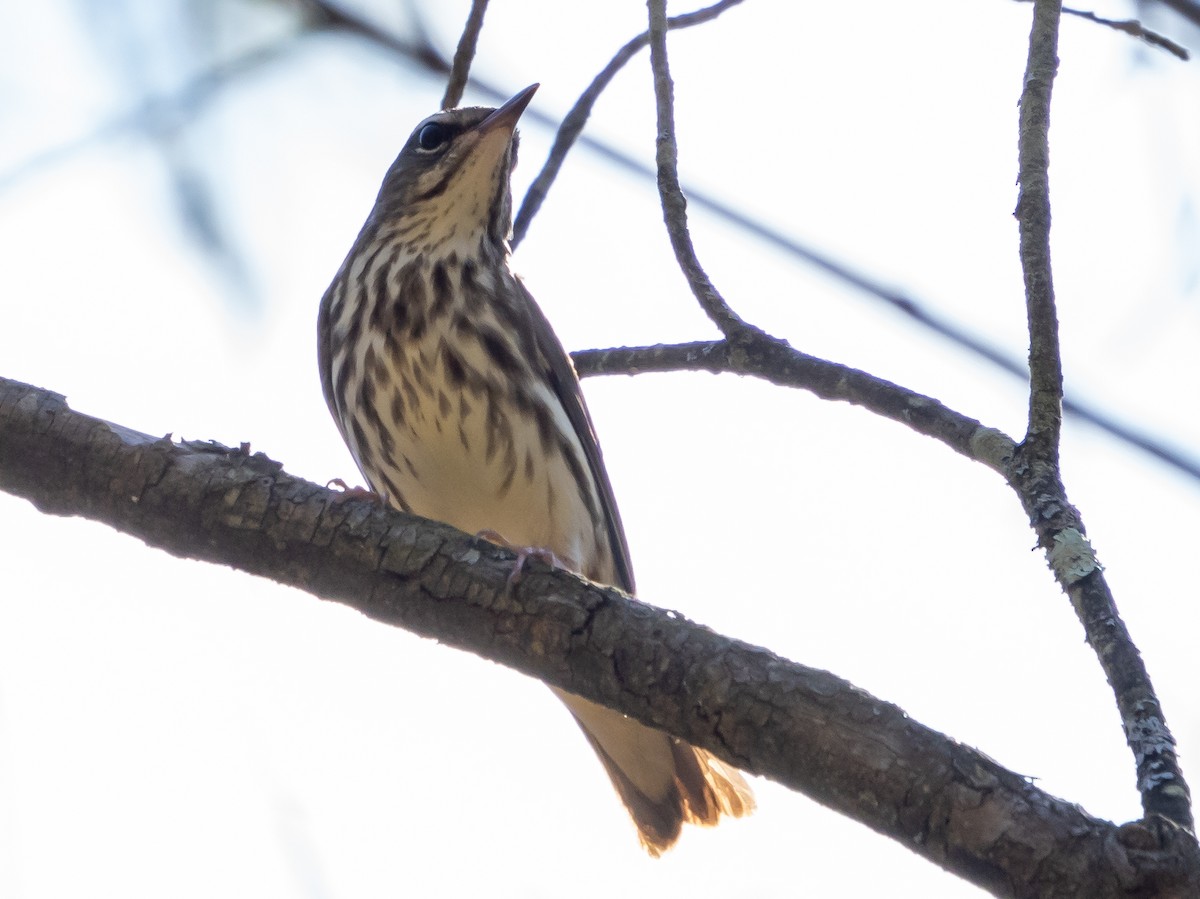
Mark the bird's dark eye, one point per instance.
(431, 136)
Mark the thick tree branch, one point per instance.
(805, 728)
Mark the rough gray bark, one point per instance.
(805, 728)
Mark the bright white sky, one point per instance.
(172, 728)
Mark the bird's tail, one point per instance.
(663, 781)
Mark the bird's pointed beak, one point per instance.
(507, 115)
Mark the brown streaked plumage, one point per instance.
(459, 404)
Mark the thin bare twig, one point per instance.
(573, 122)
(1133, 28)
(761, 356)
(461, 67)
(670, 194)
(1033, 217)
(1035, 474)
(629, 361)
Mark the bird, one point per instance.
(459, 404)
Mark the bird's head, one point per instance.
(448, 190)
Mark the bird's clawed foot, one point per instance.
(348, 492)
(524, 553)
